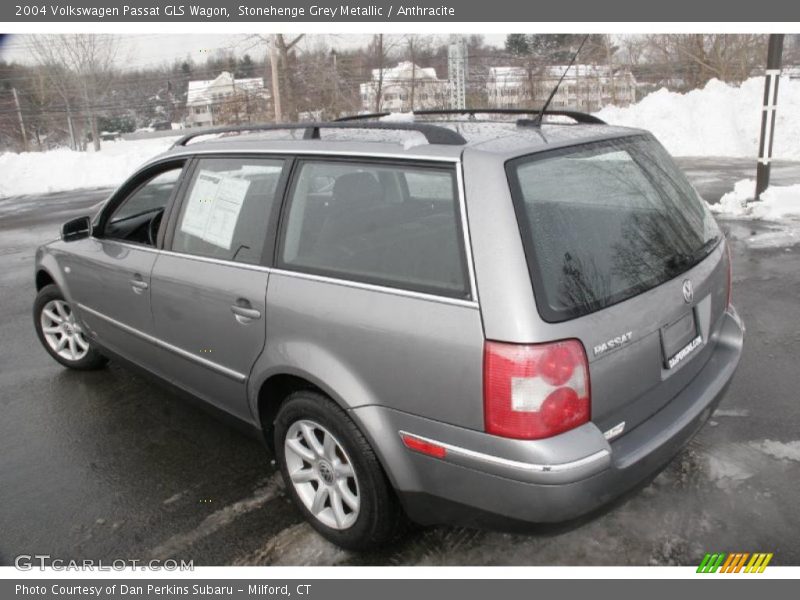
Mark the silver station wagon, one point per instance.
(472, 317)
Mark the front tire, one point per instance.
(333, 475)
(61, 334)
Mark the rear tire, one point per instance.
(333, 475)
(61, 334)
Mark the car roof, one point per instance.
(504, 139)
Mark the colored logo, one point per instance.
(736, 562)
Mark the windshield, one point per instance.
(605, 221)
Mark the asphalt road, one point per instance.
(109, 465)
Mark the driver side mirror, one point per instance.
(76, 229)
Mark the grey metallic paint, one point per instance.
(402, 360)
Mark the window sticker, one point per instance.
(213, 208)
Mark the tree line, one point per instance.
(75, 86)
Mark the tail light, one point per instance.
(533, 391)
(730, 274)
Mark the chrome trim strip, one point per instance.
(207, 259)
(377, 288)
(462, 201)
(528, 468)
(309, 276)
(217, 261)
(127, 244)
(235, 375)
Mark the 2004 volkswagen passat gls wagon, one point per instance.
(455, 319)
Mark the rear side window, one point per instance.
(392, 225)
(605, 221)
(226, 208)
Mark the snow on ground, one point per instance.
(778, 210)
(780, 450)
(64, 169)
(777, 202)
(717, 120)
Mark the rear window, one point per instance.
(605, 221)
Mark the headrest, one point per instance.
(360, 189)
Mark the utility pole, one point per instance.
(276, 80)
(335, 83)
(457, 72)
(21, 122)
(773, 73)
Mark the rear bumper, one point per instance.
(485, 478)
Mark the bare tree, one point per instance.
(79, 66)
(378, 49)
(416, 47)
(285, 91)
(633, 49)
(696, 58)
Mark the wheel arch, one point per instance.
(43, 278)
(272, 389)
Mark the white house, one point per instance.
(586, 87)
(210, 102)
(401, 85)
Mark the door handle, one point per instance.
(138, 284)
(245, 314)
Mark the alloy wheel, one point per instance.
(61, 331)
(322, 474)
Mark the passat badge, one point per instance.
(614, 342)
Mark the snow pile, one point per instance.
(398, 117)
(63, 169)
(778, 213)
(777, 202)
(717, 120)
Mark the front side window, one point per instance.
(138, 217)
(226, 208)
(389, 225)
(605, 221)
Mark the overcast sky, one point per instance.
(151, 50)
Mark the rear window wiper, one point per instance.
(685, 260)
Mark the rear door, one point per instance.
(209, 287)
(372, 293)
(624, 256)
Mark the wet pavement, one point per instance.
(109, 465)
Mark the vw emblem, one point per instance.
(688, 291)
(326, 472)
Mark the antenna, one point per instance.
(537, 122)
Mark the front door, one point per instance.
(208, 292)
(109, 273)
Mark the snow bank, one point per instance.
(398, 117)
(776, 202)
(61, 170)
(717, 120)
(778, 212)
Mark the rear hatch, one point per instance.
(625, 256)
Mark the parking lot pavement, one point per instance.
(108, 465)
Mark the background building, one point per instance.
(586, 87)
(225, 101)
(403, 88)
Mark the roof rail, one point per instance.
(577, 116)
(434, 134)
